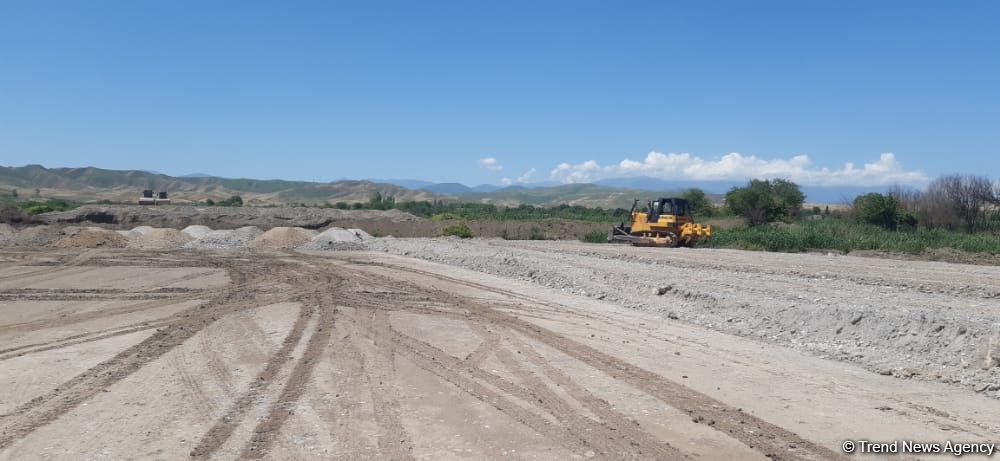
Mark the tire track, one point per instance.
(223, 429)
(269, 428)
(74, 340)
(380, 374)
(50, 406)
(769, 439)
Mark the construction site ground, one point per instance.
(445, 349)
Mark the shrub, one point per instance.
(458, 229)
(53, 204)
(235, 200)
(763, 201)
(595, 236)
(878, 209)
(699, 202)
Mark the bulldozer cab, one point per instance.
(667, 206)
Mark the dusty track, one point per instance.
(361, 355)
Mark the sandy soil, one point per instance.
(361, 355)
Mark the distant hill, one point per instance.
(93, 184)
(448, 188)
(571, 194)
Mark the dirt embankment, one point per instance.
(375, 222)
(388, 222)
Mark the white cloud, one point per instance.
(526, 176)
(490, 163)
(735, 166)
(505, 181)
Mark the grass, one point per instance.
(34, 207)
(847, 236)
(595, 236)
(458, 229)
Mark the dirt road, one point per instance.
(354, 355)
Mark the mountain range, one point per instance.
(91, 184)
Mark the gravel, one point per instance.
(196, 231)
(38, 236)
(913, 320)
(7, 234)
(158, 239)
(336, 238)
(280, 238)
(225, 239)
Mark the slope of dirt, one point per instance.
(180, 216)
(92, 238)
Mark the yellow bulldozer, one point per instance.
(666, 222)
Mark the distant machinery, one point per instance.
(148, 198)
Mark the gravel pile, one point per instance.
(91, 237)
(336, 238)
(225, 239)
(364, 236)
(37, 236)
(135, 232)
(158, 239)
(196, 231)
(280, 238)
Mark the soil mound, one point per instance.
(37, 236)
(92, 237)
(196, 231)
(335, 238)
(280, 238)
(226, 239)
(159, 239)
(364, 236)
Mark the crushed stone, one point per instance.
(335, 238)
(196, 231)
(280, 238)
(159, 239)
(225, 239)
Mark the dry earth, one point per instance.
(124, 354)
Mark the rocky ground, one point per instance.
(502, 350)
(909, 319)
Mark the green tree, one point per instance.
(788, 197)
(878, 209)
(375, 201)
(755, 202)
(699, 202)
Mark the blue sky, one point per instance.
(573, 91)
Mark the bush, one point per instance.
(700, 204)
(235, 200)
(458, 229)
(53, 204)
(877, 209)
(763, 201)
(847, 236)
(595, 236)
